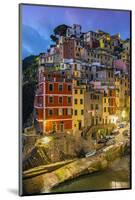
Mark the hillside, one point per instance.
(29, 69)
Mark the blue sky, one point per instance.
(38, 23)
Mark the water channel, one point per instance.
(115, 177)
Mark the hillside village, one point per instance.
(83, 81)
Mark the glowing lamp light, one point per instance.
(123, 114)
(46, 140)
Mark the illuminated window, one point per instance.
(60, 111)
(69, 111)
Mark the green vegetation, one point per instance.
(54, 38)
(29, 70)
(59, 31)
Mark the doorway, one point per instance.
(61, 127)
(80, 125)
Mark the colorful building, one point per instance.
(78, 105)
(53, 103)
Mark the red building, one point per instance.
(67, 49)
(53, 103)
(70, 49)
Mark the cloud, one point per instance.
(32, 41)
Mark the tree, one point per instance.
(54, 38)
(29, 69)
(60, 30)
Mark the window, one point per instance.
(75, 112)
(82, 112)
(78, 83)
(81, 101)
(50, 99)
(50, 112)
(91, 96)
(60, 88)
(75, 91)
(57, 113)
(50, 87)
(69, 99)
(81, 91)
(60, 111)
(69, 88)
(75, 101)
(91, 106)
(66, 111)
(104, 109)
(69, 111)
(96, 107)
(60, 99)
(104, 100)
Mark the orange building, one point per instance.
(53, 103)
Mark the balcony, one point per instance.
(38, 105)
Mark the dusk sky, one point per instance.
(38, 23)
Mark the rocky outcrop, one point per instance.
(76, 168)
(61, 147)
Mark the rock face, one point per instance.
(61, 147)
(74, 169)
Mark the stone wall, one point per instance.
(77, 168)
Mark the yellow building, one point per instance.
(78, 106)
(101, 43)
(104, 41)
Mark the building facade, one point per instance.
(53, 103)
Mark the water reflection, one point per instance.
(116, 177)
(118, 184)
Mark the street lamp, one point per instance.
(123, 114)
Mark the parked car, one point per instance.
(126, 132)
(115, 132)
(122, 125)
(110, 136)
(90, 153)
